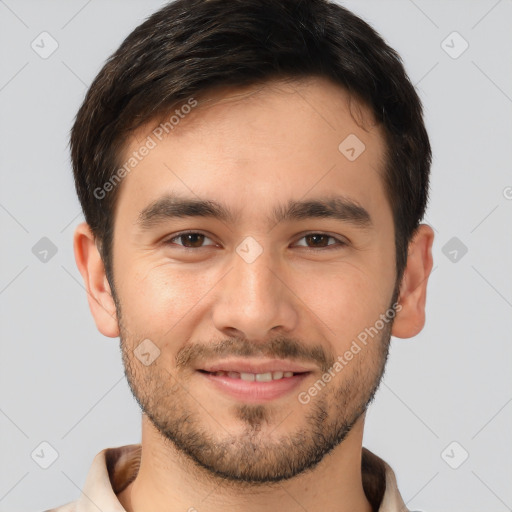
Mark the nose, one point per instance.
(255, 299)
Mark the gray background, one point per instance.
(62, 381)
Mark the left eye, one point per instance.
(319, 240)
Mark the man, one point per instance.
(253, 175)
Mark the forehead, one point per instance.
(258, 147)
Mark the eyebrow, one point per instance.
(335, 207)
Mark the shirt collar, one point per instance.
(113, 469)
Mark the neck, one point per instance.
(169, 481)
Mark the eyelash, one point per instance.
(339, 244)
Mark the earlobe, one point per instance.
(413, 288)
(91, 268)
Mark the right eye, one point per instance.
(190, 240)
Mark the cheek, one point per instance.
(161, 298)
(345, 300)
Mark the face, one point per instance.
(252, 258)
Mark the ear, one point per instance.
(91, 267)
(410, 319)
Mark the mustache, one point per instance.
(278, 348)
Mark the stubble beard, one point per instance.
(260, 451)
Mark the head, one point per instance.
(288, 140)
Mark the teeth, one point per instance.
(264, 377)
(251, 377)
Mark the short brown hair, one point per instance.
(190, 46)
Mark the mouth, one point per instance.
(254, 381)
(254, 377)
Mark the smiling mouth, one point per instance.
(254, 377)
(261, 385)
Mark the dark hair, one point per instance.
(191, 46)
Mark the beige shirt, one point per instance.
(113, 469)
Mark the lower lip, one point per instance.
(254, 391)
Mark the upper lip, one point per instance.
(254, 366)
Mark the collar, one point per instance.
(113, 469)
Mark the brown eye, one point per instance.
(320, 241)
(191, 240)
